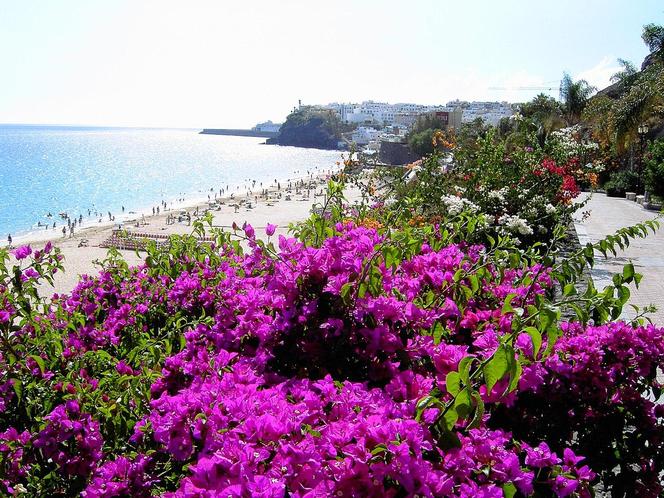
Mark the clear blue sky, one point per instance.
(196, 63)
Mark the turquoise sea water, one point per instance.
(53, 169)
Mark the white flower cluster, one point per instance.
(498, 195)
(456, 205)
(596, 167)
(550, 208)
(515, 224)
(571, 146)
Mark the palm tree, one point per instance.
(653, 37)
(574, 96)
(627, 75)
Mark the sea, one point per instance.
(91, 171)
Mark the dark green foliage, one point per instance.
(422, 143)
(623, 181)
(310, 127)
(653, 37)
(628, 73)
(654, 168)
(421, 135)
(541, 108)
(574, 96)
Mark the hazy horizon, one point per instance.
(208, 64)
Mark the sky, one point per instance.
(220, 63)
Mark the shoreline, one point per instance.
(90, 226)
(278, 207)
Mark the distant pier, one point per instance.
(238, 133)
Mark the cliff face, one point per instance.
(309, 127)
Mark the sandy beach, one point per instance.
(279, 207)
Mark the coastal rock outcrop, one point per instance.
(310, 127)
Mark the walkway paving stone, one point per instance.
(608, 214)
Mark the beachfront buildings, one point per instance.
(490, 112)
(379, 114)
(363, 135)
(382, 114)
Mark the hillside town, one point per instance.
(372, 123)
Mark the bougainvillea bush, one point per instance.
(523, 192)
(391, 362)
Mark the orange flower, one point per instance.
(593, 179)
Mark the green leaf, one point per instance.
(569, 290)
(40, 361)
(496, 368)
(552, 337)
(628, 271)
(507, 305)
(424, 403)
(479, 411)
(450, 418)
(509, 490)
(453, 383)
(463, 403)
(345, 291)
(536, 339)
(18, 388)
(474, 283)
(381, 448)
(464, 369)
(515, 374)
(623, 295)
(437, 332)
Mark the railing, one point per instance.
(138, 241)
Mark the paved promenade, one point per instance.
(608, 214)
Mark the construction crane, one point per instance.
(524, 88)
(528, 88)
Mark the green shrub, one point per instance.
(654, 168)
(623, 181)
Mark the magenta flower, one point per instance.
(269, 229)
(249, 231)
(29, 273)
(22, 252)
(564, 486)
(540, 456)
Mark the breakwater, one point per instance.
(238, 132)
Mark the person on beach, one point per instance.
(9, 239)
(64, 232)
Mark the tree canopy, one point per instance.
(574, 96)
(310, 126)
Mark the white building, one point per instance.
(267, 126)
(490, 112)
(379, 114)
(363, 135)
